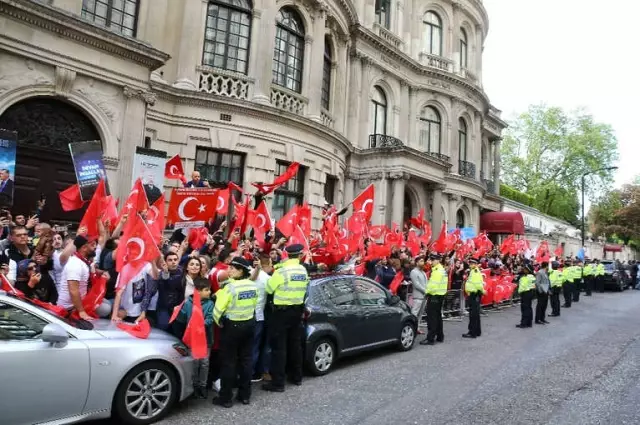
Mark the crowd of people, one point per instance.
(250, 292)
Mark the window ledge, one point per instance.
(388, 36)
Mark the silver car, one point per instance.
(59, 371)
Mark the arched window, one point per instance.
(460, 219)
(464, 48)
(378, 118)
(326, 75)
(432, 33)
(383, 13)
(227, 35)
(430, 134)
(462, 139)
(288, 55)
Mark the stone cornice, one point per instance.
(360, 32)
(230, 105)
(467, 181)
(67, 25)
(404, 151)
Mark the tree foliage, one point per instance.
(618, 213)
(546, 151)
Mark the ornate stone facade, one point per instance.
(380, 98)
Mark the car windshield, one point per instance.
(76, 323)
(608, 266)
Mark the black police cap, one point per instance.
(294, 249)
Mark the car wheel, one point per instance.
(146, 394)
(407, 337)
(322, 357)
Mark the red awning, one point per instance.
(502, 222)
(612, 248)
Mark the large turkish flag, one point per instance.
(189, 205)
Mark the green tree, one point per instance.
(546, 151)
(602, 214)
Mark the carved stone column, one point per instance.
(354, 102)
(452, 207)
(256, 28)
(316, 68)
(437, 218)
(496, 165)
(349, 182)
(133, 130)
(265, 33)
(399, 182)
(403, 134)
(411, 120)
(193, 22)
(478, 58)
(363, 136)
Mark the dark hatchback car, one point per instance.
(347, 314)
(614, 278)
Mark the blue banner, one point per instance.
(87, 161)
(8, 142)
(465, 233)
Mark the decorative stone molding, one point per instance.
(308, 39)
(22, 73)
(147, 96)
(398, 175)
(110, 162)
(365, 180)
(64, 81)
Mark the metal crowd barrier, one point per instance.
(453, 308)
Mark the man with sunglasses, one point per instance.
(18, 250)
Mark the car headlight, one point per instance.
(182, 349)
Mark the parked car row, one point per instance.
(93, 370)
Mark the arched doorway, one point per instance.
(460, 219)
(45, 128)
(408, 208)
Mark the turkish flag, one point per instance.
(94, 211)
(396, 282)
(6, 286)
(418, 221)
(94, 296)
(304, 219)
(187, 205)
(559, 251)
(140, 330)
(507, 245)
(195, 336)
(298, 237)
(176, 311)
(440, 245)
(266, 189)
(364, 202)
(261, 221)
(70, 199)
(287, 224)
(155, 219)
(173, 169)
(198, 237)
(222, 203)
(110, 214)
(136, 248)
(136, 201)
(357, 223)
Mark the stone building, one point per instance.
(386, 92)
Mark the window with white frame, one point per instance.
(288, 55)
(383, 13)
(432, 33)
(118, 15)
(464, 48)
(378, 112)
(227, 35)
(326, 75)
(430, 130)
(462, 140)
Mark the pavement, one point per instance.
(581, 369)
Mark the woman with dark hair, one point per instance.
(34, 284)
(107, 263)
(192, 270)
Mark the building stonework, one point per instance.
(359, 92)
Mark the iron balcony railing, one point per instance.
(384, 141)
(467, 169)
(440, 156)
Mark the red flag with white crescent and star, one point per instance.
(136, 248)
(287, 224)
(261, 221)
(222, 203)
(155, 219)
(364, 202)
(195, 336)
(267, 188)
(188, 205)
(173, 169)
(136, 202)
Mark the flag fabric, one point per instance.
(440, 244)
(70, 199)
(189, 205)
(136, 248)
(198, 237)
(110, 212)
(222, 202)
(173, 169)
(94, 212)
(176, 311)
(140, 330)
(155, 219)
(266, 189)
(559, 251)
(364, 202)
(94, 296)
(304, 219)
(298, 237)
(261, 222)
(136, 201)
(194, 335)
(396, 282)
(6, 286)
(287, 224)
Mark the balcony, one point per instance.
(467, 169)
(388, 36)
(223, 83)
(437, 62)
(468, 74)
(288, 100)
(326, 117)
(384, 141)
(440, 156)
(491, 186)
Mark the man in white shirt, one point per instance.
(264, 267)
(60, 257)
(75, 276)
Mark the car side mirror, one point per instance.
(394, 300)
(55, 335)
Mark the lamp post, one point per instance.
(583, 176)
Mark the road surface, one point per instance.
(581, 369)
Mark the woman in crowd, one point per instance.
(192, 270)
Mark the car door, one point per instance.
(40, 382)
(344, 312)
(381, 321)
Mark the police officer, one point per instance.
(577, 280)
(599, 276)
(234, 314)
(567, 287)
(289, 287)
(589, 272)
(474, 288)
(436, 291)
(526, 289)
(556, 279)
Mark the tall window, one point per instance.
(378, 118)
(227, 34)
(383, 13)
(459, 219)
(326, 74)
(288, 56)
(432, 33)
(118, 15)
(290, 194)
(464, 48)
(462, 139)
(220, 167)
(430, 134)
(330, 189)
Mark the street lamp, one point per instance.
(583, 176)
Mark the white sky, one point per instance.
(568, 53)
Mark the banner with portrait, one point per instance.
(8, 142)
(148, 164)
(87, 161)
